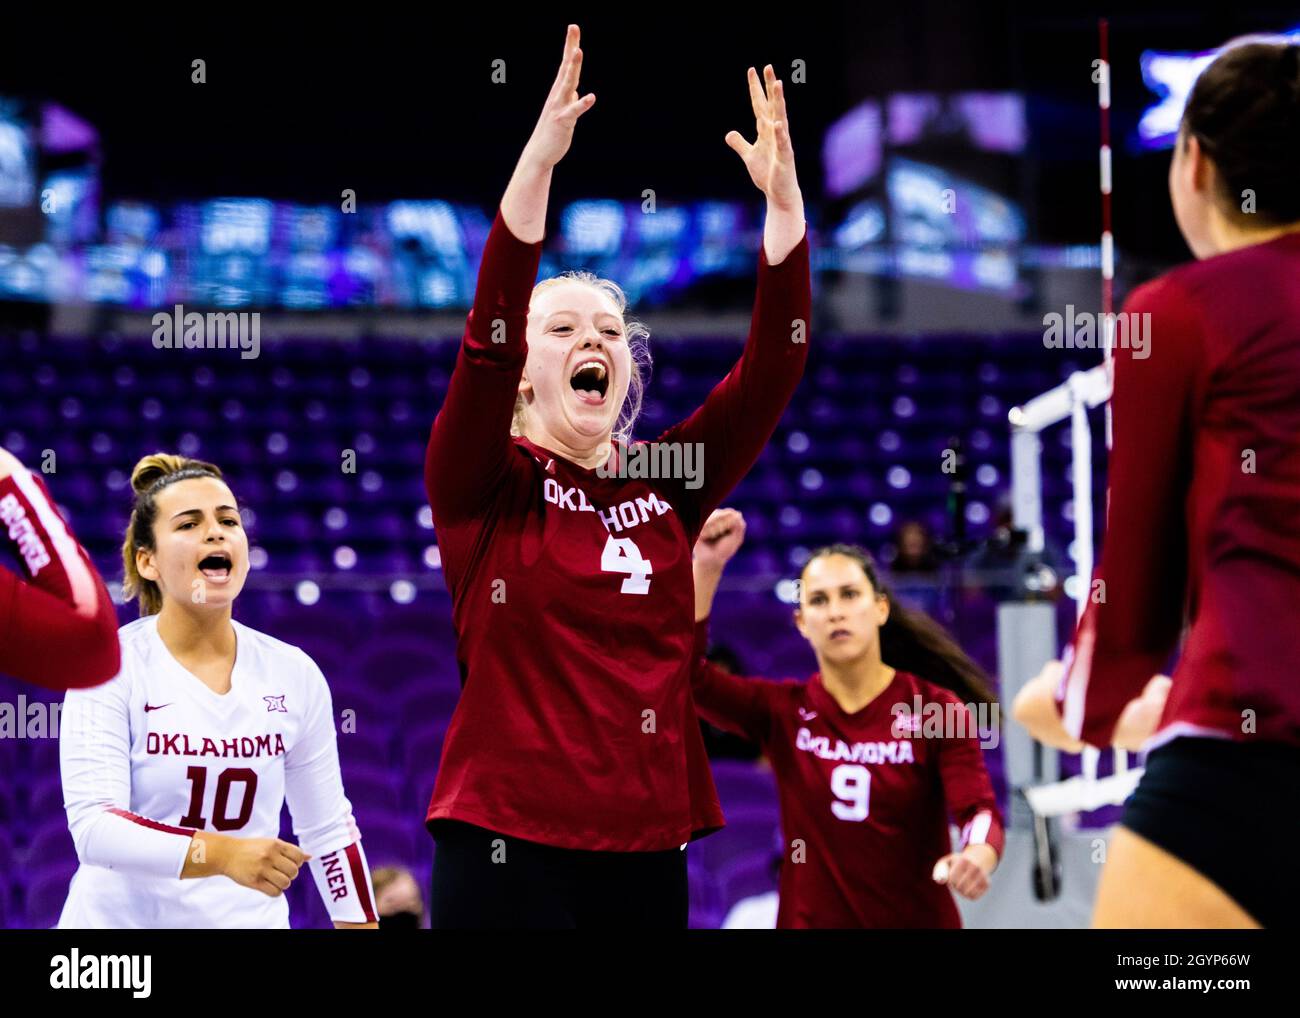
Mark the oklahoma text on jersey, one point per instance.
(623, 516)
(178, 743)
(858, 752)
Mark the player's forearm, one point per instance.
(208, 855)
(118, 839)
(706, 588)
(523, 207)
(984, 856)
(783, 229)
(469, 443)
(1035, 708)
(739, 416)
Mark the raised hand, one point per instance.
(720, 539)
(553, 134)
(770, 159)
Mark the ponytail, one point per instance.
(150, 476)
(1245, 111)
(911, 641)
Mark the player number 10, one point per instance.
(221, 818)
(851, 784)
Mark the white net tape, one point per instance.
(1069, 401)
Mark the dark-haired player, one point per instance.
(175, 771)
(871, 755)
(1203, 526)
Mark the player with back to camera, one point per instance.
(1203, 531)
(574, 752)
(175, 772)
(58, 628)
(865, 782)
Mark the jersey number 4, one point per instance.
(621, 555)
(221, 818)
(851, 784)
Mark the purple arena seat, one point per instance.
(400, 841)
(50, 843)
(745, 876)
(46, 891)
(747, 830)
(742, 784)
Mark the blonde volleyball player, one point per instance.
(861, 784)
(175, 771)
(574, 744)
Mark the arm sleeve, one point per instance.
(95, 765)
(1135, 612)
(58, 629)
(469, 446)
(737, 704)
(322, 816)
(967, 789)
(738, 417)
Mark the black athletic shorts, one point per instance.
(486, 880)
(1228, 810)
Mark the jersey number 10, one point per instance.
(221, 819)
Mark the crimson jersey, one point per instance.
(865, 798)
(58, 629)
(1203, 524)
(573, 595)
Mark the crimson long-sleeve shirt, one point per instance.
(1204, 508)
(573, 596)
(864, 797)
(58, 628)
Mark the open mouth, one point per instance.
(216, 566)
(840, 634)
(590, 380)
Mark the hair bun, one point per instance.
(151, 468)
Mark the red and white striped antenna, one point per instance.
(1107, 237)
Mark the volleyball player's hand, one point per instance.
(770, 159)
(553, 134)
(1141, 715)
(268, 865)
(720, 539)
(967, 872)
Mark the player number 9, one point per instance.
(851, 784)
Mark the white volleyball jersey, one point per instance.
(155, 754)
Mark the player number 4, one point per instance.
(621, 555)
